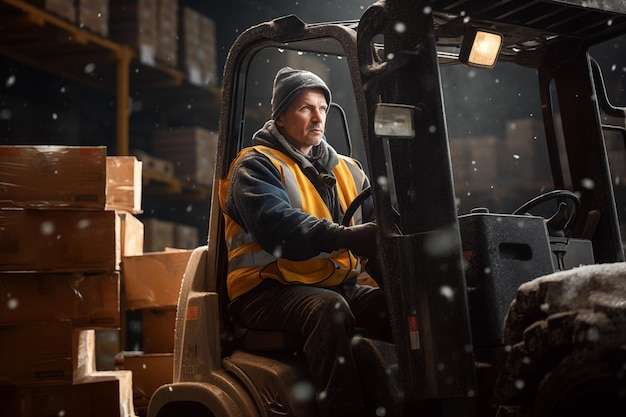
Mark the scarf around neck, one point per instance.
(319, 164)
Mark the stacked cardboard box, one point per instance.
(59, 281)
(87, 393)
(134, 23)
(208, 51)
(167, 32)
(153, 280)
(54, 240)
(192, 151)
(123, 195)
(150, 371)
(83, 299)
(190, 44)
(152, 283)
(123, 190)
(198, 53)
(99, 396)
(149, 26)
(52, 177)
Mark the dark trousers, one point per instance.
(326, 318)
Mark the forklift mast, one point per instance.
(424, 287)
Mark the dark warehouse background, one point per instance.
(37, 107)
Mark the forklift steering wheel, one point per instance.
(565, 213)
(355, 204)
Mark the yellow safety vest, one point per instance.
(249, 265)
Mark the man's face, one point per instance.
(304, 120)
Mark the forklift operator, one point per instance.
(291, 265)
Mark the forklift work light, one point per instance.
(394, 121)
(480, 48)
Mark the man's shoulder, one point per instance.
(251, 152)
(270, 152)
(254, 157)
(350, 160)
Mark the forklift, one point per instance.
(493, 313)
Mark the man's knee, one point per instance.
(336, 308)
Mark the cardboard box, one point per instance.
(84, 345)
(192, 151)
(57, 240)
(37, 353)
(158, 330)
(53, 176)
(152, 280)
(123, 183)
(86, 300)
(129, 236)
(197, 47)
(134, 23)
(158, 235)
(189, 44)
(167, 30)
(207, 54)
(150, 371)
(104, 394)
(124, 381)
(46, 353)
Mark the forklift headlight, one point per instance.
(480, 48)
(394, 121)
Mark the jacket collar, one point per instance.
(323, 156)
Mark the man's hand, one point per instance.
(359, 239)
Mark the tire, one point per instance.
(566, 339)
(585, 383)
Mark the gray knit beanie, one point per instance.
(288, 83)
